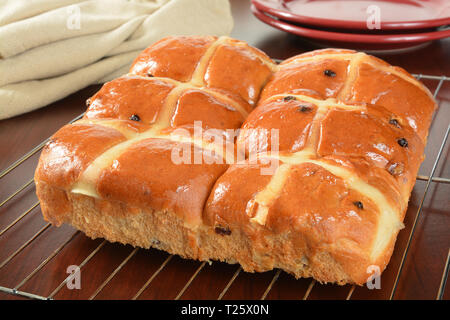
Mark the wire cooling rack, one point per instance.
(200, 272)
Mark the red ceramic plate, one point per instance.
(353, 14)
(354, 40)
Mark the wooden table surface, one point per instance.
(19, 256)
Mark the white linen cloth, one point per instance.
(52, 48)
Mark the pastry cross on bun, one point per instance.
(346, 132)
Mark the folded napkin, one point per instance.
(52, 48)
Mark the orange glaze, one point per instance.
(323, 222)
(377, 177)
(214, 113)
(126, 127)
(174, 57)
(314, 53)
(229, 202)
(291, 118)
(146, 176)
(124, 97)
(71, 150)
(372, 137)
(237, 70)
(312, 77)
(254, 51)
(395, 94)
(232, 96)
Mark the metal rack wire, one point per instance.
(17, 292)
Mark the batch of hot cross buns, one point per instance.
(308, 166)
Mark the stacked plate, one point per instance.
(359, 24)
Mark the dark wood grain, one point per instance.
(419, 279)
